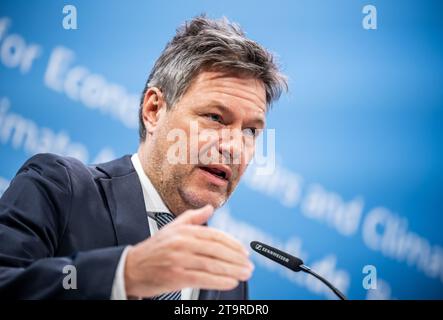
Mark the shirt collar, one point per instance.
(153, 201)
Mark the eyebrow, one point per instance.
(216, 104)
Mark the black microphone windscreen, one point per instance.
(277, 255)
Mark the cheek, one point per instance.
(248, 154)
(175, 135)
(174, 121)
(208, 149)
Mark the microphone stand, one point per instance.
(326, 282)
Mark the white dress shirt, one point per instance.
(153, 203)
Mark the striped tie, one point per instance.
(162, 219)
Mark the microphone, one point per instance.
(291, 262)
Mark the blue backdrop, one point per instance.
(358, 179)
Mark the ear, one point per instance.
(153, 106)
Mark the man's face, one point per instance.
(227, 110)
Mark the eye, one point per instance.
(252, 132)
(214, 117)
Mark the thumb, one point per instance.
(197, 216)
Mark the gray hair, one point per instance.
(205, 44)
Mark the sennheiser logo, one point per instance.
(272, 253)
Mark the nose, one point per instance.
(231, 146)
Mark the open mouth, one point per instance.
(221, 172)
(216, 172)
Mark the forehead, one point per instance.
(228, 88)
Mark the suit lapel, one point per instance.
(125, 200)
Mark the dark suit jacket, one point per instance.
(59, 212)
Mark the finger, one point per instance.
(195, 217)
(213, 249)
(214, 266)
(204, 280)
(212, 234)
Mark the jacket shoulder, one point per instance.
(54, 167)
(48, 160)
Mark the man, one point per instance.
(108, 231)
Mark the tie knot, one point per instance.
(163, 218)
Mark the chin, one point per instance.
(200, 198)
